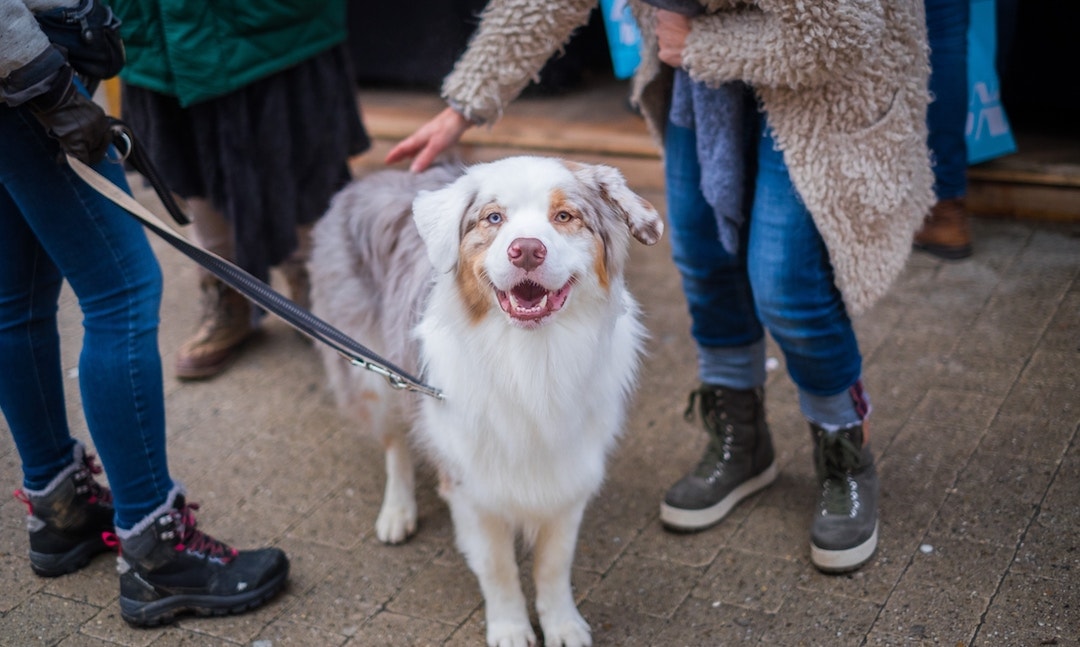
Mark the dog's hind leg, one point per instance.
(487, 541)
(397, 517)
(554, 555)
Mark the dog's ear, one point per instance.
(438, 215)
(640, 216)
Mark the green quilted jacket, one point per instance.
(196, 50)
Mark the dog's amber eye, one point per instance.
(493, 218)
(563, 216)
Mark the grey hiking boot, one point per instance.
(67, 520)
(738, 461)
(168, 568)
(844, 533)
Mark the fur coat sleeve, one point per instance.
(514, 40)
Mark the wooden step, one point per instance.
(1040, 181)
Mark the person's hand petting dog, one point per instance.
(443, 131)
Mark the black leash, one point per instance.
(253, 289)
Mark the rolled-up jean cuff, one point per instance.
(847, 408)
(735, 367)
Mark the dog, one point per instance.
(506, 290)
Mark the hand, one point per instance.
(72, 118)
(671, 32)
(434, 137)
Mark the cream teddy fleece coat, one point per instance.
(843, 82)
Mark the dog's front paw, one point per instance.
(395, 523)
(510, 633)
(566, 630)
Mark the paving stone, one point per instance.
(932, 613)
(813, 618)
(1031, 610)
(995, 499)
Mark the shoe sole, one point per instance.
(57, 564)
(684, 520)
(166, 610)
(842, 561)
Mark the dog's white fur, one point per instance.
(533, 402)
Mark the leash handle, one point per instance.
(132, 152)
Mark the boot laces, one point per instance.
(193, 540)
(837, 459)
(25, 498)
(717, 426)
(87, 485)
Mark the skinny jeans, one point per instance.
(53, 227)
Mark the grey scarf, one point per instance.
(724, 120)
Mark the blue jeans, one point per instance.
(780, 280)
(53, 227)
(946, 118)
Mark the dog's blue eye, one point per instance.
(494, 217)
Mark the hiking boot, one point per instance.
(946, 232)
(67, 519)
(738, 461)
(169, 567)
(844, 533)
(225, 326)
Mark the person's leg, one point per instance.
(104, 255)
(804, 311)
(168, 566)
(226, 321)
(739, 457)
(68, 509)
(31, 385)
(946, 232)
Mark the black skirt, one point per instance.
(269, 156)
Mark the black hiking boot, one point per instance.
(170, 568)
(844, 533)
(67, 520)
(738, 461)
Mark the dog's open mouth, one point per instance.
(529, 301)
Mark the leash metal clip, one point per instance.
(396, 381)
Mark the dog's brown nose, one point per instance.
(527, 253)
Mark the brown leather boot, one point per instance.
(225, 326)
(946, 232)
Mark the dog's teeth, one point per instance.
(541, 305)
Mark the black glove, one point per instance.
(46, 85)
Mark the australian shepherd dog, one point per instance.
(502, 284)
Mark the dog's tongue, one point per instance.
(530, 301)
(528, 295)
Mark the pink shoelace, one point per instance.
(195, 540)
(190, 538)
